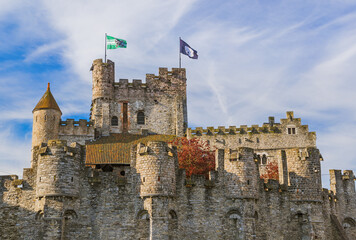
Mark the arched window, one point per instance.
(70, 214)
(143, 215)
(264, 159)
(140, 118)
(114, 121)
(172, 214)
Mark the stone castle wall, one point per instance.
(115, 205)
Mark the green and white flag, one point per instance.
(113, 43)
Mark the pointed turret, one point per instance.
(47, 101)
(46, 119)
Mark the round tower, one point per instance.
(103, 94)
(103, 79)
(58, 170)
(46, 119)
(155, 164)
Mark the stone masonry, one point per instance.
(132, 187)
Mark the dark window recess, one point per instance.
(122, 173)
(72, 179)
(140, 118)
(284, 155)
(143, 179)
(159, 179)
(291, 130)
(264, 159)
(125, 122)
(107, 168)
(114, 121)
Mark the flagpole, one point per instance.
(180, 60)
(105, 47)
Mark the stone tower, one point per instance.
(57, 183)
(46, 119)
(156, 166)
(103, 94)
(158, 106)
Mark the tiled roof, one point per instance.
(115, 149)
(47, 101)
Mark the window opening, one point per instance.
(264, 159)
(291, 130)
(125, 122)
(140, 118)
(114, 121)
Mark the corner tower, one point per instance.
(46, 119)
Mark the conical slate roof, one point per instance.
(47, 101)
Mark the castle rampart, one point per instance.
(76, 131)
(126, 182)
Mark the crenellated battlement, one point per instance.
(59, 146)
(266, 128)
(165, 80)
(72, 127)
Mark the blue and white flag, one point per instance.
(187, 50)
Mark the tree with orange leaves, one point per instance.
(271, 172)
(195, 156)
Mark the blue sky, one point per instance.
(256, 59)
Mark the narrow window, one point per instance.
(264, 159)
(248, 182)
(54, 178)
(159, 178)
(284, 155)
(114, 121)
(140, 118)
(71, 179)
(40, 179)
(257, 140)
(291, 130)
(125, 122)
(143, 179)
(45, 117)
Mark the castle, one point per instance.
(116, 176)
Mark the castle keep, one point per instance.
(116, 176)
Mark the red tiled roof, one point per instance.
(116, 148)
